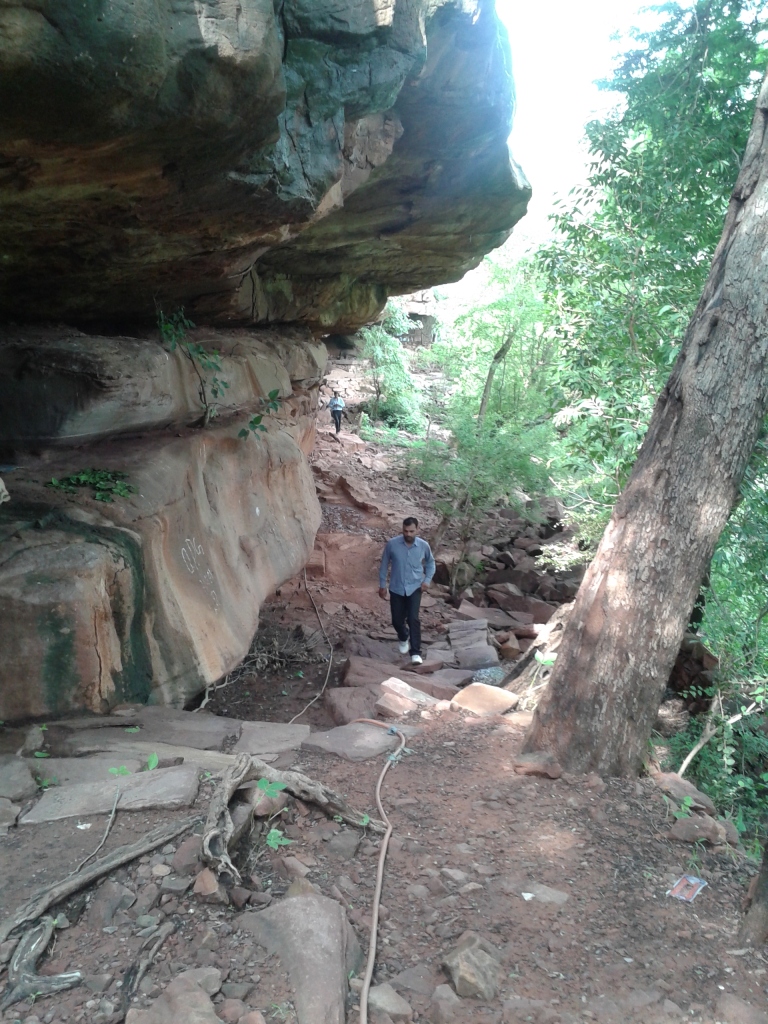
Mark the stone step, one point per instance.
(163, 788)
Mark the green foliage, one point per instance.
(152, 762)
(270, 789)
(106, 484)
(634, 244)
(173, 331)
(255, 425)
(121, 770)
(41, 753)
(396, 400)
(275, 839)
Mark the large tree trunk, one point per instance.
(632, 608)
(754, 929)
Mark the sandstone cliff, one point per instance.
(153, 595)
(252, 162)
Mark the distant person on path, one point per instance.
(413, 567)
(336, 405)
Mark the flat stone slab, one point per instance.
(269, 738)
(163, 789)
(64, 771)
(481, 656)
(186, 728)
(356, 741)
(401, 689)
(16, 780)
(495, 617)
(317, 946)
(482, 699)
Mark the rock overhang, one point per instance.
(255, 169)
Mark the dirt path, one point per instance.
(565, 878)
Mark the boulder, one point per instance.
(157, 594)
(697, 827)
(495, 618)
(484, 700)
(481, 656)
(16, 779)
(345, 704)
(187, 998)
(474, 967)
(318, 948)
(681, 789)
(383, 999)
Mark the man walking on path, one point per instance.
(412, 570)
(336, 405)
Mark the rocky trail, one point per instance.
(512, 892)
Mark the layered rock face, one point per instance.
(252, 162)
(155, 594)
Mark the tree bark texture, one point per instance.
(495, 362)
(754, 928)
(632, 608)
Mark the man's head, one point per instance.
(410, 529)
(335, 394)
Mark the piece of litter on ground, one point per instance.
(83, 825)
(627, 959)
(686, 888)
(527, 895)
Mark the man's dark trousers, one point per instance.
(336, 414)
(405, 611)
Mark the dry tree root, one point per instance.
(51, 894)
(135, 973)
(219, 829)
(23, 981)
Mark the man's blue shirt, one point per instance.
(412, 565)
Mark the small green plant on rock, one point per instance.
(106, 484)
(275, 839)
(268, 789)
(173, 331)
(121, 770)
(255, 425)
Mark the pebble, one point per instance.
(231, 1010)
(454, 875)
(160, 870)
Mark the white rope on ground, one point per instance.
(379, 870)
(330, 655)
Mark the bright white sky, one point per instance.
(559, 49)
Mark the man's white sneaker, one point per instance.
(403, 647)
(415, 659)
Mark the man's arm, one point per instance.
(429, 567)
(386, 558)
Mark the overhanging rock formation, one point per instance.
(256, 163)
(154, 595)
(249, 165)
